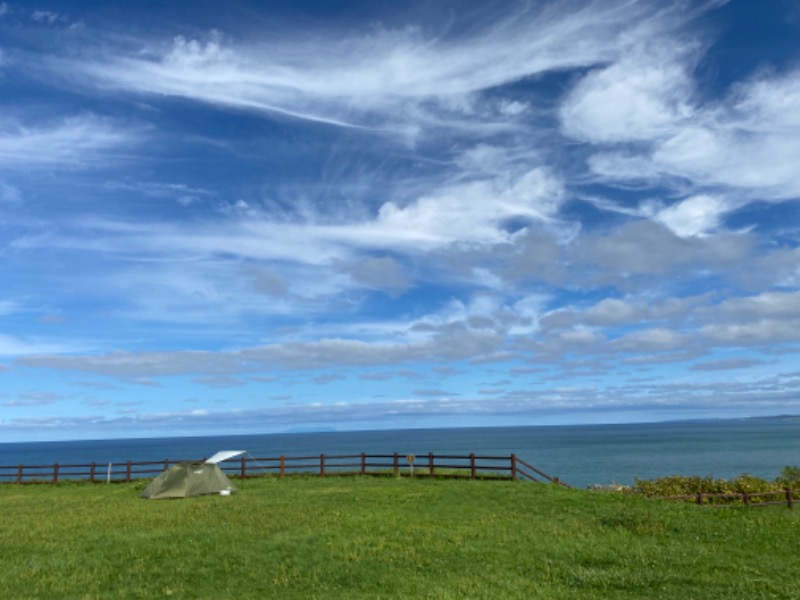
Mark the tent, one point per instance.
(187, 479)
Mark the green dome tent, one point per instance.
(187, 479)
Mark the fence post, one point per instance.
(322, 465)
(19, 474)
(430, 464)
(55, 473)
(128, 472)
(166, 464)
(91, 471)
(283, 465)
(244, 467)
(746, 498)
(514, 467)
(700, 498)
(396, 464)
(472, 465)
(363, 463)
(789, 498)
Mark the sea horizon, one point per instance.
(578, 454)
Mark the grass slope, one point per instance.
(388, 538)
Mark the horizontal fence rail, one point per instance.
(469, 466)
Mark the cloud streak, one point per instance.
(368, 80)
(80, 141)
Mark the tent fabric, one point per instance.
(225, 455)
(187, 479)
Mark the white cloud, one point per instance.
(383, 273)
(762, 331)
(746, 142)
(80, 141)
(485, 159)
(581, 337)
(131, 365)
(779, 268)
(267, 282)
(622, 168)
(220, 381)
(641, 97)
(767, 103)
(765, 305)
(32, 399)
(473, 212)
(694, 216)
(655, 339)
(701, 398)
(188, 254)
(737, 155)
(726, 365)
(641, 248)
(719, 155)
(448, 341)
(384, 79)
(45, 16)
(769, 317)
(638, 311)
(612, 311)
(180, 192)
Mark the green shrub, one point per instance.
(790, 476)
(752, 485)
(678, 485)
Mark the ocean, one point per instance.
(580, 455)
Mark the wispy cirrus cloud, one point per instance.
(80, 141)
(393, 79)
(476, 211)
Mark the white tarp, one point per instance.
(225, 455)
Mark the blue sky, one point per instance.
(251, 217)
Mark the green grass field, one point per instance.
(388, 538)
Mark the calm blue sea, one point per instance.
(579, 455)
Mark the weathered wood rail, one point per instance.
(469, 466)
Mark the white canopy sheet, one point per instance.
(225, 455)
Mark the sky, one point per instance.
(248, 217)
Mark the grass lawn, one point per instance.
(388, 538)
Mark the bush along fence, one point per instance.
(785, 497)
(469, 466)
(745, 489)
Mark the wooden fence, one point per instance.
(785, 497)
(425, 465)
